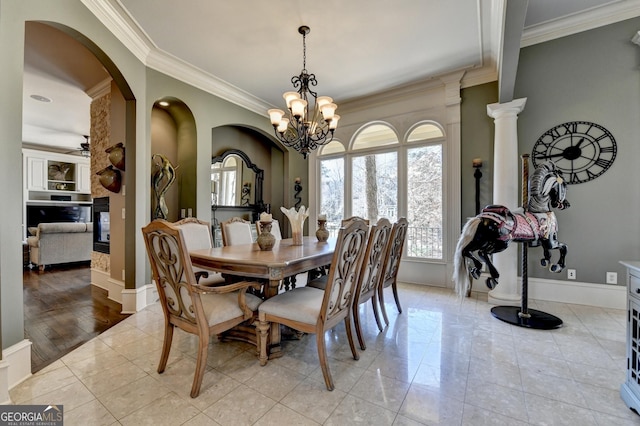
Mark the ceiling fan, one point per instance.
(84, 149)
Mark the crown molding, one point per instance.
(126, 29)
(583, 21)
(100, 89)
(123, 26)
(170, 65)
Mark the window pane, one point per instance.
(424, 202)
(375, 186)
(332, 147)
(425, 132)
(332, 192)
(375, 136)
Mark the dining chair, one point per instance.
(203, 311)
(349, 219)
(312, 311)
(236, 231)
(197, 235)
(275, 229)
(371, 273)
(392, 263)
(318, 277)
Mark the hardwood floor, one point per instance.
(62, 310)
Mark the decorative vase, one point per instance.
(110, 178)
(266, 240)
(322, 234)
(296, 219)
(116, 155)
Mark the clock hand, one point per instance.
(541, 157)
(580, 142)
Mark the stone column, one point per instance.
(506, 176)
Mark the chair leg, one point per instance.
(356, 324)
(166, 347)
(322, 354)
(381, 303)
(264, 328)
(395, 296)
(352, 344)
(374, 303)
(201, 364)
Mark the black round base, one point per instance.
(538, 320)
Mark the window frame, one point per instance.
(401, 147)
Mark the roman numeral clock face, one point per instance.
(580, 149)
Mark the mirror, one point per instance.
(235, 180)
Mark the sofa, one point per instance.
(60, 242)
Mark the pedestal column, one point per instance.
(506, 175)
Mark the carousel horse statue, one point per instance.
(162, 180)
(496, 226)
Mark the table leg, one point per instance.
(275, 350)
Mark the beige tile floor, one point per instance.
(441, 362)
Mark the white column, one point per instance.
(506, 176)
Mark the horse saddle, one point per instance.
(517, 226)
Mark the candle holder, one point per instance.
(266, 240)
(322, 234)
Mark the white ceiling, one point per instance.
(247, 51)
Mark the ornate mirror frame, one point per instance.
(258, 202)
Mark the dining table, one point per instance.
(272, 266)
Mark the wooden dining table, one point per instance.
(284, 260)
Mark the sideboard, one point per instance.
(630, 389)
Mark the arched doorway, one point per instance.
(73, 71)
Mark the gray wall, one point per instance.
(476, 133)
(592, 76)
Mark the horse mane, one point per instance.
(541, 183)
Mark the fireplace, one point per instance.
(101, 225)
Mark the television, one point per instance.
(48, 214)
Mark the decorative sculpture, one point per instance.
(245, 194)
(496, 226)
(297, 187)
(162, 180)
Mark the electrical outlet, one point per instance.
(612, 278)
(571, 274)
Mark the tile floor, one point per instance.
(441, 362)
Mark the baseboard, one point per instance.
(114, 288)
(579, 293)
(134, 300)
(15, 367)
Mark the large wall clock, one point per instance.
(580, 149)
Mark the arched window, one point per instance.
(382, 175)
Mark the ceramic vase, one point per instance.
(266, 240)
(322, 234)
(110, 178)
(116, 155)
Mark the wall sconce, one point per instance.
(297, 188)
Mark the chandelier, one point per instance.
(305, 128)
